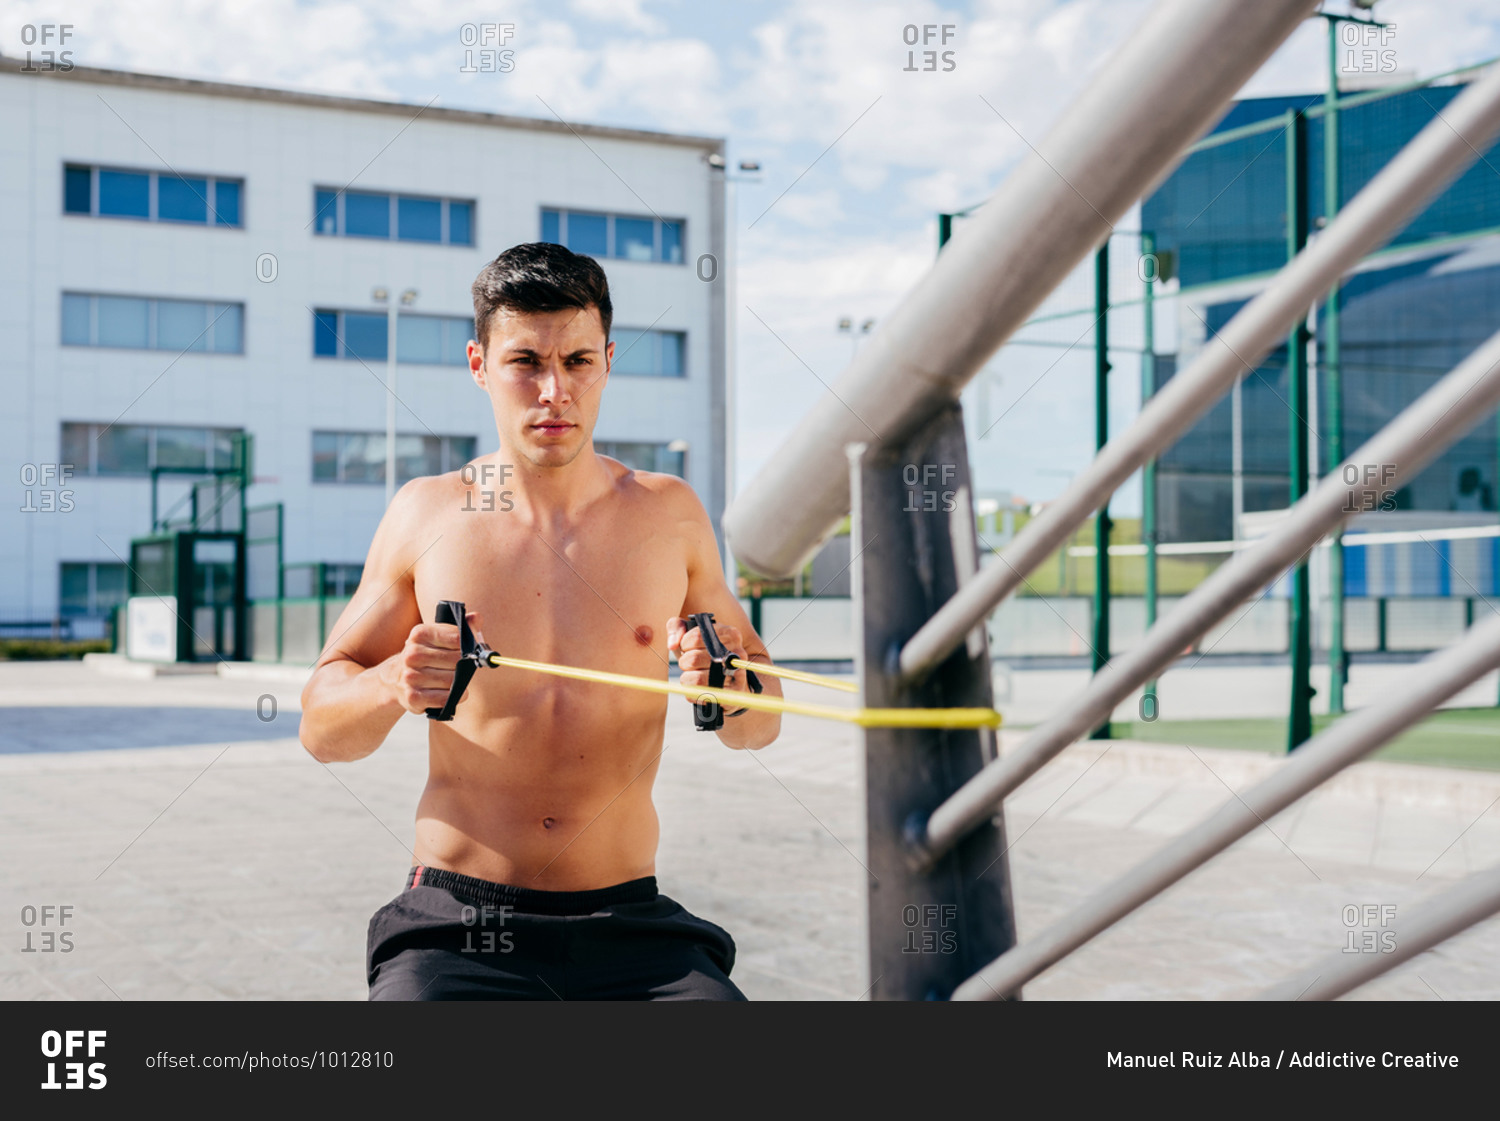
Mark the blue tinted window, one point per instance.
(419, 219)
(325, 457)
(456, 343)
(635, 239)
(551, 228)
(77, 190)
(226, 203)
(125, 194)
(367, 215)
(75, 320)
(327, 213)
(364, 335)
(671, 242)
(588, 233)
(671, 354)
(181, 325)
(326, 334)
(181, 200)
(123, 321)
(633, 353)
(229, 328)
(461, 223)
(419, 338)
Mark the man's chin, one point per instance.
(552, 453)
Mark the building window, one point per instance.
(668, 459)
(626, 237)
(153, 196)
(134, 449)
(433, 340)
(649, 354)
(90, 588)
(144, 323)
(341, 213)
(359, 457)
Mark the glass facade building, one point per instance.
(1407, 317)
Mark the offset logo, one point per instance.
(73, 1046)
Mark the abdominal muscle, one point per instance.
(557, 801)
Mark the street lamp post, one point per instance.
(750, 173)
(382, 296)
(846, 327)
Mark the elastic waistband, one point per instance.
(528, 900)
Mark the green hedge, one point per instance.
(47, 649)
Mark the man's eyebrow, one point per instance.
(530, 352)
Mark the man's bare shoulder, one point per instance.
(419, 505)
(667, 496)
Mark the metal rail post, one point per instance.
(1299, 719)
(913, 529)
(1150, 707)
(1332, 438)
(1100, 648)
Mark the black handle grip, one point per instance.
(452, 613)
(708, 716)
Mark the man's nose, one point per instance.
(553, 389)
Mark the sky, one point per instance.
(858, 152)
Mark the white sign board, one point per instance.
(151, 628)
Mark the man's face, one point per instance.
(545, 373)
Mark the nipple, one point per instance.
(644, 634)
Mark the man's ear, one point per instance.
(475, 355)
(609, 356)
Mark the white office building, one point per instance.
(187, 260)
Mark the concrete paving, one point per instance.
(207, 856)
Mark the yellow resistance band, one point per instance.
(796, 675)
(864, 717)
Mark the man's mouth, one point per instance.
(553, 427)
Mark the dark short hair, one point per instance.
(539, 276)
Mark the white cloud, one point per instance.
(625, 13)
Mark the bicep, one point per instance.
(376, 621)
(707, 590)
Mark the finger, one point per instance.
(474, 625)
(675, 627)
(424, 699)
(694, 660)
(430, 678)
(431, 658)
(443, 636)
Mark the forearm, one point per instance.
(753, 728)
(347, 711)
(750, 729)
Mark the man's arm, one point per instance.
(381, 660)
(707, 591)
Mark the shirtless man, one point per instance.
(534, 873)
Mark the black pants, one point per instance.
(455, 937)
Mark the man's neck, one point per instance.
(558, 494)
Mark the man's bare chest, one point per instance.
(546, 592)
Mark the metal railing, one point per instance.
(936, 831)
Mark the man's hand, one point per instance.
(421, 676)
(693, 658)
